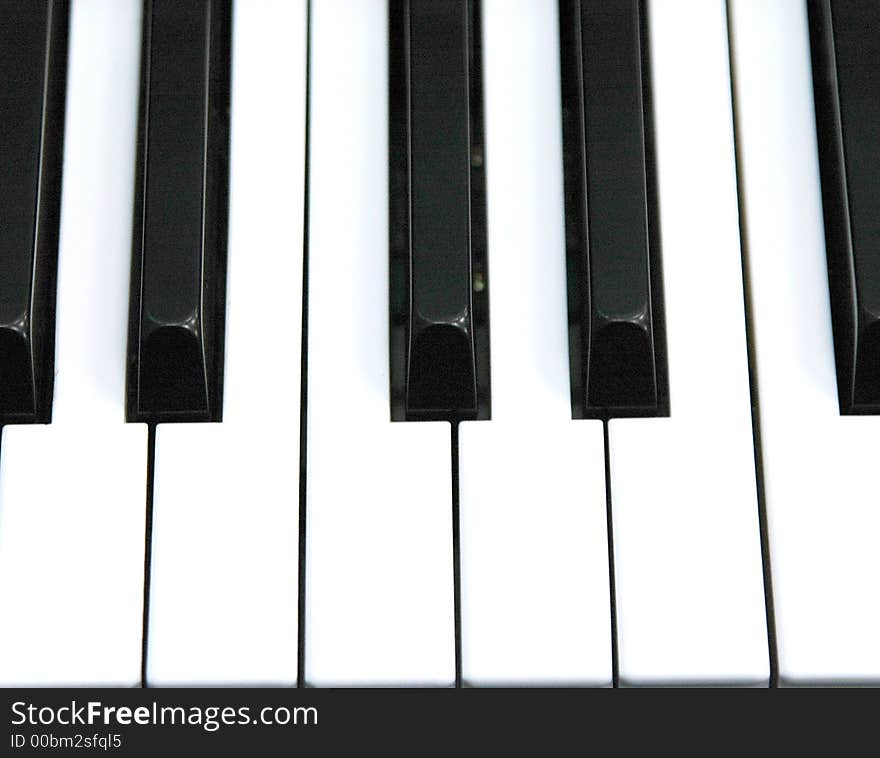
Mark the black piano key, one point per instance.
(846, 82)
(439, 309)
(176, 325)
(616, 326)
(33, 67)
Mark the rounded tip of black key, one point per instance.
(866, 381)
(16, 374)
(442, 378)
(172, 374)
(621, 367)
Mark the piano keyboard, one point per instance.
(439, 343)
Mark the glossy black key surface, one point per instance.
(845, 43)
(438, 289)
(33, 66)
(616, 327)
(175, 352)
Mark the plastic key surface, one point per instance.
(378, 587)
(438, 296)
(819, 467)
(617, 340)
(846, 91)
(226, 495)
(33, 67)
(73, 492)
(179, 252)
(687, 540)
(535, 606)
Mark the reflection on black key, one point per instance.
(846, 82)
(616, 330)
(33, 65)
(179, 252)
(439, 309)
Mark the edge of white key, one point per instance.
(225, 561)
(379, 576)
(535, 589)
(819, 468)
(73, 492)
(688, 566)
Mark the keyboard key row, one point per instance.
(612, 523)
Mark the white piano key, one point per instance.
(819, 468)
(224, 589)
(72, 493)
(379, 536)
(687, 546)
(534, 555)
